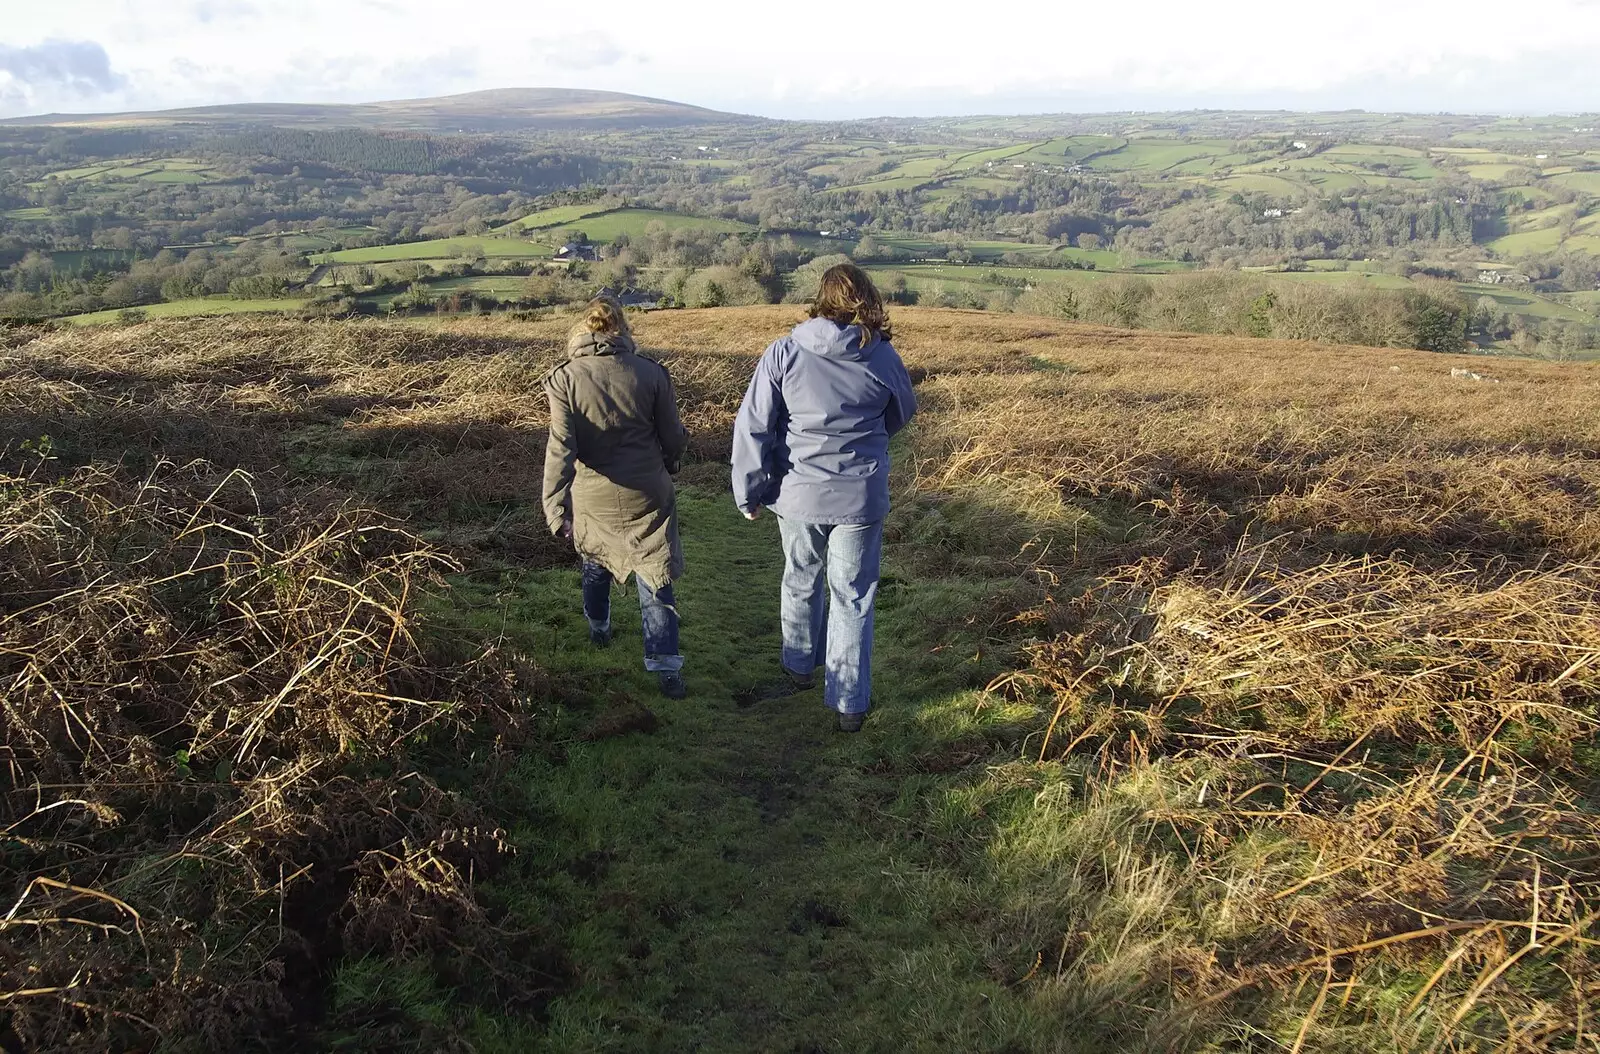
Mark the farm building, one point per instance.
(576, 251)
(1503, 278)
(641, 299)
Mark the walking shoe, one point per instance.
(800, 682)
(600, 638)
(851, 722)
(672, 686)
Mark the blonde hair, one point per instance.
(605, 317)
(848, 297)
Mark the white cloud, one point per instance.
(54, 69)
(899, 56)
(588, 50)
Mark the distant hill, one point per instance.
(501, 110)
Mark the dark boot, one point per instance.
(800, 682)
(851, 722)
(672, 686)
(600, 638)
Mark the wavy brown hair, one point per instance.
(605, 317)
(848, 297)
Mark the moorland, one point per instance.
(1232, 695)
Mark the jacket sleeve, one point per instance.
(755, 433)
(669, 427)
(560, 455)
(902, 399)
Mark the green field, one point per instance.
(1543, 240)
(190, 309)
(992, 251)
(933, 277)
(314, 240)
(561, 214)
(502, 286)
(77, 259)
(607, 226)
(1587, 302)
(1492, 172)
(439, 249)
(1261, 183)
(29, 215)
(1158, 155)
(1517, 301)
(155, 170)
(1584, 182)
(601, 227)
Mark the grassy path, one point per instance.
(737, 877)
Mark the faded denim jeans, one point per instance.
(658, 613)
(834, 565)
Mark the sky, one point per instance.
(822, 61)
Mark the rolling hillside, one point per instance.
(500, 110)
(1230, 695)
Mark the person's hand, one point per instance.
(752, 513)
(566, 528)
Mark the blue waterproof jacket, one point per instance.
(812, 437)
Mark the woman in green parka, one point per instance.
(615, 443)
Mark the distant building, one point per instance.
(639, 299)
(1301, 146)
(576, 251)
(1503, 278)
(1272, 214)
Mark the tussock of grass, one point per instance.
(201, 690)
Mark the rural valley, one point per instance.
(1266, 224)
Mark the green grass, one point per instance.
(34, 214)
(606, 227)
(1254, 182)
(1587, 182)
(1492, 172)
(1588, 302)
(190, 309)
(1158, 155)
(1542, 240)
(463, 248)
(559, 215)
(734, 880)
(157, 170)
(76, 259)
(601, 226)
(1517, 301)
(1373, 279)
(502, 286)
(986, 251)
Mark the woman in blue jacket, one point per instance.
(812, 443)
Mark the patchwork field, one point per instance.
(190, 309)
(540, 235)
(155, 170)
(440, 249)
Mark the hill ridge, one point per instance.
(493, 109)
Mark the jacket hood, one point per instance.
(821, 336)
(583, 343)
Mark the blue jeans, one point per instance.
(846, 556)
(657, 609)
